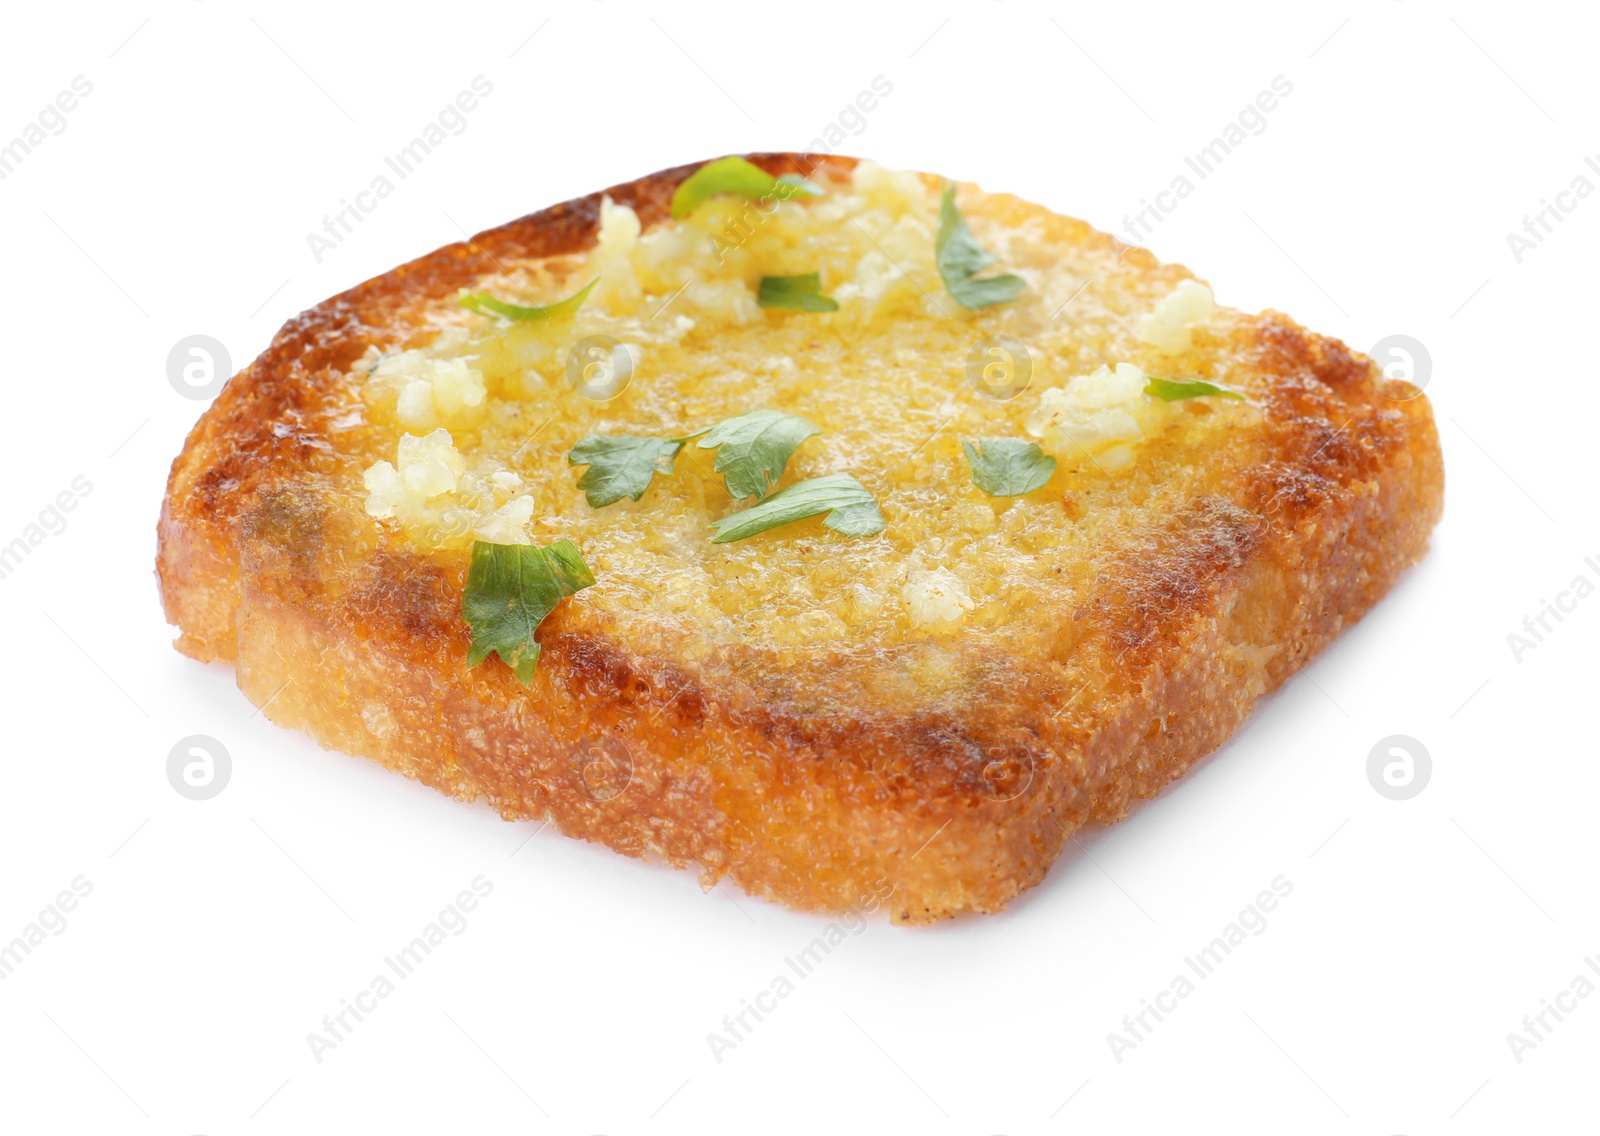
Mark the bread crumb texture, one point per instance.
(885, 377)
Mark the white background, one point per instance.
(218, 933)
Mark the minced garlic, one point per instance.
(432, 391)
(936, 598)
(1167, 326)
(436, 499)
(1098, 418)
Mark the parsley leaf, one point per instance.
(851, 509)
(1008, 467)
(510, 589)
(1171, 390)
(621, 465)
(483, 305)
(755, 448)
(801, 293)
(738, 176)
(961, 258)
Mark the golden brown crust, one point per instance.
(946, 810)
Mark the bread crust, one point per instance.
(932, 811)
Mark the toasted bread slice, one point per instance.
(917, 719)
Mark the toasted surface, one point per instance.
(925, 714)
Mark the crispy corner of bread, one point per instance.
(915, 721)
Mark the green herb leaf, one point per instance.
(1171, 390)
(483, 305)
(621, 465)
(1008, 467)
(801, 293)
(851, 509)
(510, 589)
(738, 176)
(754, 449)
(961, 258)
